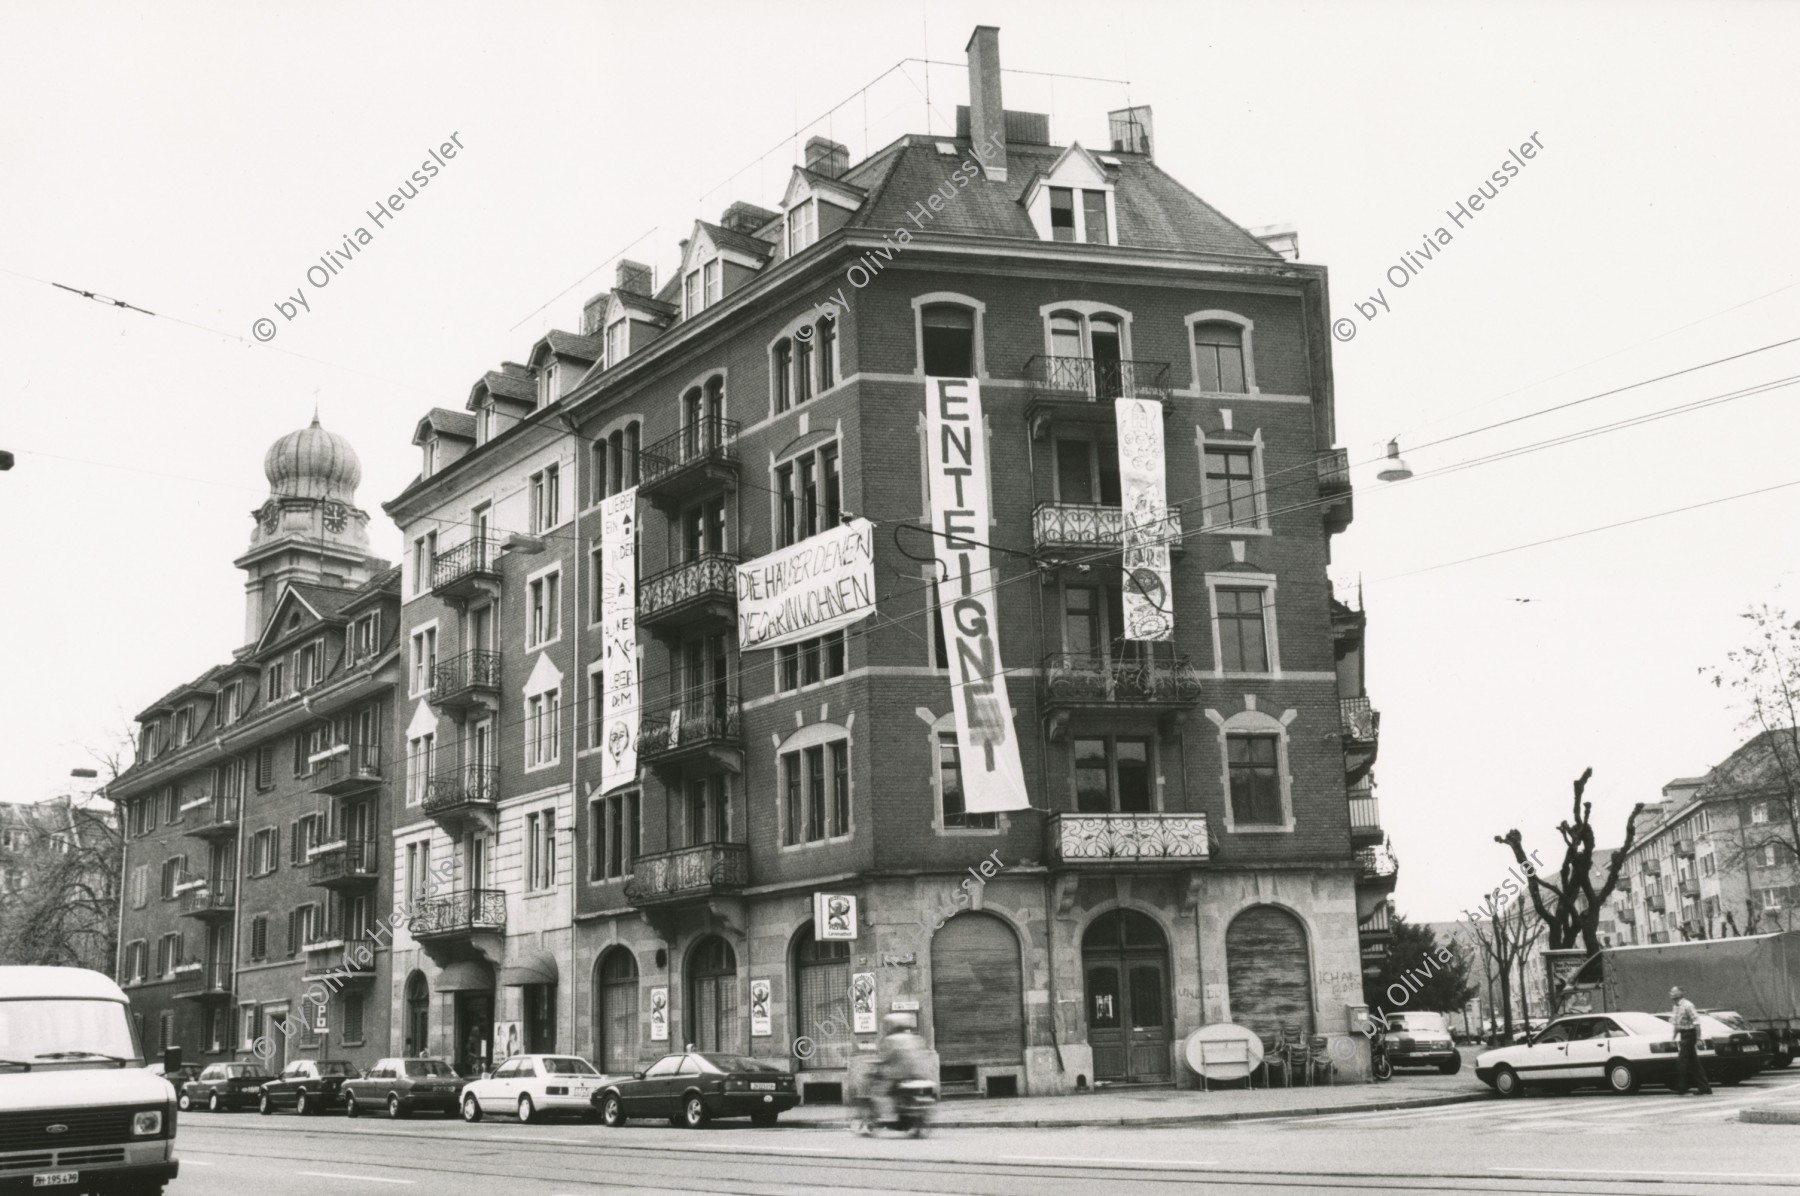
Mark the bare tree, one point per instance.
(1571, 907)
(1504, 931)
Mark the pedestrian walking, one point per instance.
(1686, 1020)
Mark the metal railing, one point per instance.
(710, 439)
(459, 913)
(478, 556)
(688, 872)
(1334, 471)
(1091, 525)
(1144, 673)
(706, 719)
(218, 814)
(1365, 812)
(354, 859)
(1115, 838)
(1377, 863)
(355, 763)
(708, 575)
(215, 898)
(1094, 379)
(468, 784)
(1362, 721)
(474, 669)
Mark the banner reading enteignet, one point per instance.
(957, 466)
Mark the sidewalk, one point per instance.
(1169, 1106)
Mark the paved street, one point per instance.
(1583, 1143)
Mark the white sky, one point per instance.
(194, 159)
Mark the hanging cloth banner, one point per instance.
(956, 465)
(618, 640)
(808, 589)
(1149, 600)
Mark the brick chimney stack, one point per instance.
(987, 118)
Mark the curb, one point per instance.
(1770, 1116)
(1063, 1123)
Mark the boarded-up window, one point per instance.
(977, 992)
(618, 1013)
(1271, 981)
(822, 980)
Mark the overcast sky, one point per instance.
(195, 159)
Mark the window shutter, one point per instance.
(293, 843)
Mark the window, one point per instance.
(1062, 214)
(712, 280)
(265, 766)
(421, 759)
(827, 340)
(424, 557)
(703, 529)
(816, 793)
(430, 464)
(140, 886)
(546, 610)
(419, 879)
(259, 937)
(593, 705)
(1243, 639)
(782, 374)
(618, 342)
(424, 659)
(231, 703)
(1255, 779)
(950, 788)
(184, 722)
(1759, 814)
(598, 451)
(365, 636)
(1112, 775)
(351, 1026)
(168, 954)
(276, 680)
(1230, 488)
(803, 367)
(1093, 209)
(543, 716)
(546, 487)
(174, 871)
(808, 489)
(947, 340)
(708, 809)
(803, 225)
(264, 852)
(1219, 358)
(136, 965)
(304, 834)
(540, 849)
(1087, 473)
(315, 741)
(547, 385)
(690, 295)
(309, 666)
(171, 805)
(811, 661)
(1088, 355)
(615, 835)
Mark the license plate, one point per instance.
(52, 1179)
(761, 1087)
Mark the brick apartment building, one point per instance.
(1202, 841)
(252, 813)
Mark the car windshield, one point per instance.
(337, 1069)
(428, 1067)
(567, 1065)
(246, 1071)
(65, 1029)
(1734, 1020)
(728, 1063)
(1642, 1023)
(1414, 1023)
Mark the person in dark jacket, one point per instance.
(1686, 1020)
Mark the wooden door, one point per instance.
(977, 992)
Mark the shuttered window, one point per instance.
(977, 992)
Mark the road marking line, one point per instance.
(368, 1179)
(1134, 1164)
(1615, 1171)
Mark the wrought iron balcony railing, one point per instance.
(200, 979)
(215, 899)
(216, 819)
(1362, 722)
(474, 559)
(689, 452)
(707, 721)
(1377, 864)
(708, 579)
(462, 912)
(351, 768)
(1128, 838)
(466, 785)
(352, 861)
(1088, 525)
(1690, 887)
(1652, 866)
(1334, 472)
(1144, 674)
(688, 873)
(1095, 380)
(461, 677)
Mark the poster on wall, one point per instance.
(956, 468)
(808, 589)
(1149, 599)
(618, 640)
(506, 1040)
(862, 1002)
(761, 1024)
(659, 1015)
(834, 916)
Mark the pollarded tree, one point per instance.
(1570, 907)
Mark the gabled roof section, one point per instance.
(315, 605)
(510, 383)
(565, 344)
(441, 421)
(803, 184)
(385, 584)
(1075, 168)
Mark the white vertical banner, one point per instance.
(956, 467)
(618, 641)
(1149, 599)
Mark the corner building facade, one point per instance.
(1201, 844)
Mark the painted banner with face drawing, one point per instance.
(956, 465)
(1149, 601)
(618, 641)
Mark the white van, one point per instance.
(78, 1111)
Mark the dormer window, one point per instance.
(618, 342)
(546, 385)
(1073, 201)
(1062, 214)
(712, 282)
(1078, 214)
(488, 420)
(702, 288)
(431, 457)
(690, 296)
(803, 226)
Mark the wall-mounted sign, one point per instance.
(834, 916)
(862, 1002)
(618, 642)
(1149, 600)
(761, 1024)
(903, 1005)
(805, 590)
(659, 1015)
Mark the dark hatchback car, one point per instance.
(307, 1086)
(225, 1086)
(691, 1089)
(402, 1087)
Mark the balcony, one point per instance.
(459, 798)
(1091, 528)
(1365, 817)
(1684, 847)
(1626, 915)
(1113, 840)
(1652, 866)
(703, 590)
(352, 864)
(1624, 884)
(1656, 902)
(215, 821)
(708, 729)
(470, 570)
(1381, 922)
(351, 768)
(212, 902)
(1145, 676)
(199, 981)
(1362, 735)
(330, 957)
(1082, 389)
(464, 682)
(1334, 489)
(1690, 887)
(700, 457)
(458, 915)
(688, 874)
(1377, 869)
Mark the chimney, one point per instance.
(827, 157)
(633, 278)
(1130, 129)
(987, 119)
(1283, 239)
(746, 218)
(592, 313)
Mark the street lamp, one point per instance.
(1395, 469)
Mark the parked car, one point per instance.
(1734, 1066)
(404, 1087)
(179, 1078)
(1421, 1039)
(308, 1085)
(225, 1086)
(529, 1086)
(692, 1088)
(1620, 1051)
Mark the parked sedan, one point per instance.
(307, 1085)
(225, 1086)
(1422, 1039)
(404, 1087)
(691, 1089)
(1725, 1030)
(1620, 1051)
(529, 1086)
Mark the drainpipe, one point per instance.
(581, 561)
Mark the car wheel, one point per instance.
(351, 1108)
(612, 1113)
(527, 1110)
(471, 1109)
(1507, 1082)
(303, 1106)
(265, 1106)
(764, 1119)
(1621, 1077)
(214, 1104)
(1781, 1059)
(184, 1102)
(395, 1112)
(693, 1113)
(1450, 1067)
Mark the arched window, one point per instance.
(822, 999)
(418, 1015)
(803, 366)
(1269, 974)
(781, 375)
(1087, 353)
(947, 340)
(827, 338)
(712, 1000)
(616, 1011)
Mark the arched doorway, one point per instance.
(822, 999)
(977, 996)
(418, 1015)
(1125, 959)
(616, 1012)
(1269, 972)
(712, 1000)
